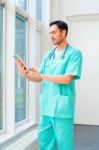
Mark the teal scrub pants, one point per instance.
(56, 132)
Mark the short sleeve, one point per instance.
(74, 66)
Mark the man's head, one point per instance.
(58, 31)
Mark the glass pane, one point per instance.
(22, 4)
(20, 86)
(39, 10)
(1, 68)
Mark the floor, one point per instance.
(86, 137)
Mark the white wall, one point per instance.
(85, 6)
(83, 20)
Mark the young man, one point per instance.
(59, 70)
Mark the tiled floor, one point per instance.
(86, 137)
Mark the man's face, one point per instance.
(57, 35)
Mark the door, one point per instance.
(85, 36)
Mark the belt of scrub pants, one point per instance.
(56, 131)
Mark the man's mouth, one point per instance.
(53, 40)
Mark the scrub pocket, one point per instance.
(64, 106)
(57, 106)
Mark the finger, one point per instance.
(24, 67)
(33, 70)
(18, 62)
(22, 72)
(25, 71)
(30, 68)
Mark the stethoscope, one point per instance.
(52, 55)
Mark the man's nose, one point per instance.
(51, 36)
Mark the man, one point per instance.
(59, 70)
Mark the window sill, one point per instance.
(22, 137)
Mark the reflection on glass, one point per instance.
(39, 10)
(22, 4)
(1, 68)
(20, 86)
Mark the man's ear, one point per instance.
(64, 32)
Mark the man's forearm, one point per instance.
(60, 79)
(33, 77)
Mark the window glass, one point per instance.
(20, 82)
(22, 4)
(39, 10)
(1, 68)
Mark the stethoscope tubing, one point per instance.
(53, 54)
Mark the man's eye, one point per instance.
(54, 32)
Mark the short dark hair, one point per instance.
(61, 25)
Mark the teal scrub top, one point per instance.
(58, 100)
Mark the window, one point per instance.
(18, 97)
(22, 4)
(20, 82)
(1, 68)
(39, 10)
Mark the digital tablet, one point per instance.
(17, 57)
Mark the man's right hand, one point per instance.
(22, 68)
(20, 64)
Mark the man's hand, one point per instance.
(22, 68)
(34, 71)
(30, 73)
(20, 64)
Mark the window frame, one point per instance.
(2, 4)
(24, 16)
(30, 105)
(21, 10)
(11, 129)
